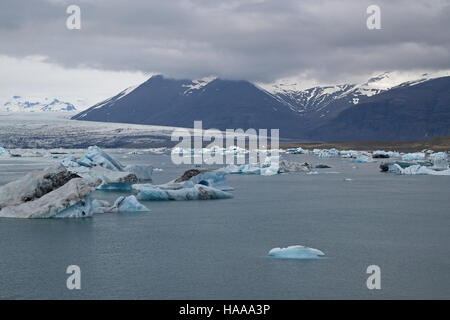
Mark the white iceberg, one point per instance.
(296, 252)
(417, 170)
(440, 160)
(413, 156)
(331, 153)
(72, 200)
(272, 166)
(34, 185)
(97, 156)
(298, 150)
(143, 173)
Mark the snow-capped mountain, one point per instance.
(314, 102)
(230, 104)
(21, 104)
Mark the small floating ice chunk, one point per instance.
(361, 159)
(4, 153)
(296, 252)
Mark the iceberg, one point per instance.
(192, 185)
(287, 166)
(128, 204)
(440, 160)
(143, 173)
(4, 153)
(296, 252)
(331, 153)
(214, 179)
(241, 169)
(417, 170)
(98, 164)
(298, 150)
(362, 159)
(96, 156)
(271, 167)
(71, 200)
(34, 185)
(413, 156)
(149, 192)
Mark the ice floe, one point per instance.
(296, 252)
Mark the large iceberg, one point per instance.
(34, 185)
(296, 252)
(68, 201)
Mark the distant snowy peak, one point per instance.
(20, 104)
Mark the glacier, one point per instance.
(295, 252)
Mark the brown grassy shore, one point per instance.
(436, 144)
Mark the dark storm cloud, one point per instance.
(252, 39)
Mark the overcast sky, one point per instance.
(121, 43)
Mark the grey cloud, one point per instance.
(248, 39)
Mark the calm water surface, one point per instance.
(218, 249)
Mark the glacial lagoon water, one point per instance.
(218, 249)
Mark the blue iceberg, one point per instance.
(148, 192)
(129, 204)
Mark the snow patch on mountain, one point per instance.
(197, 84)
